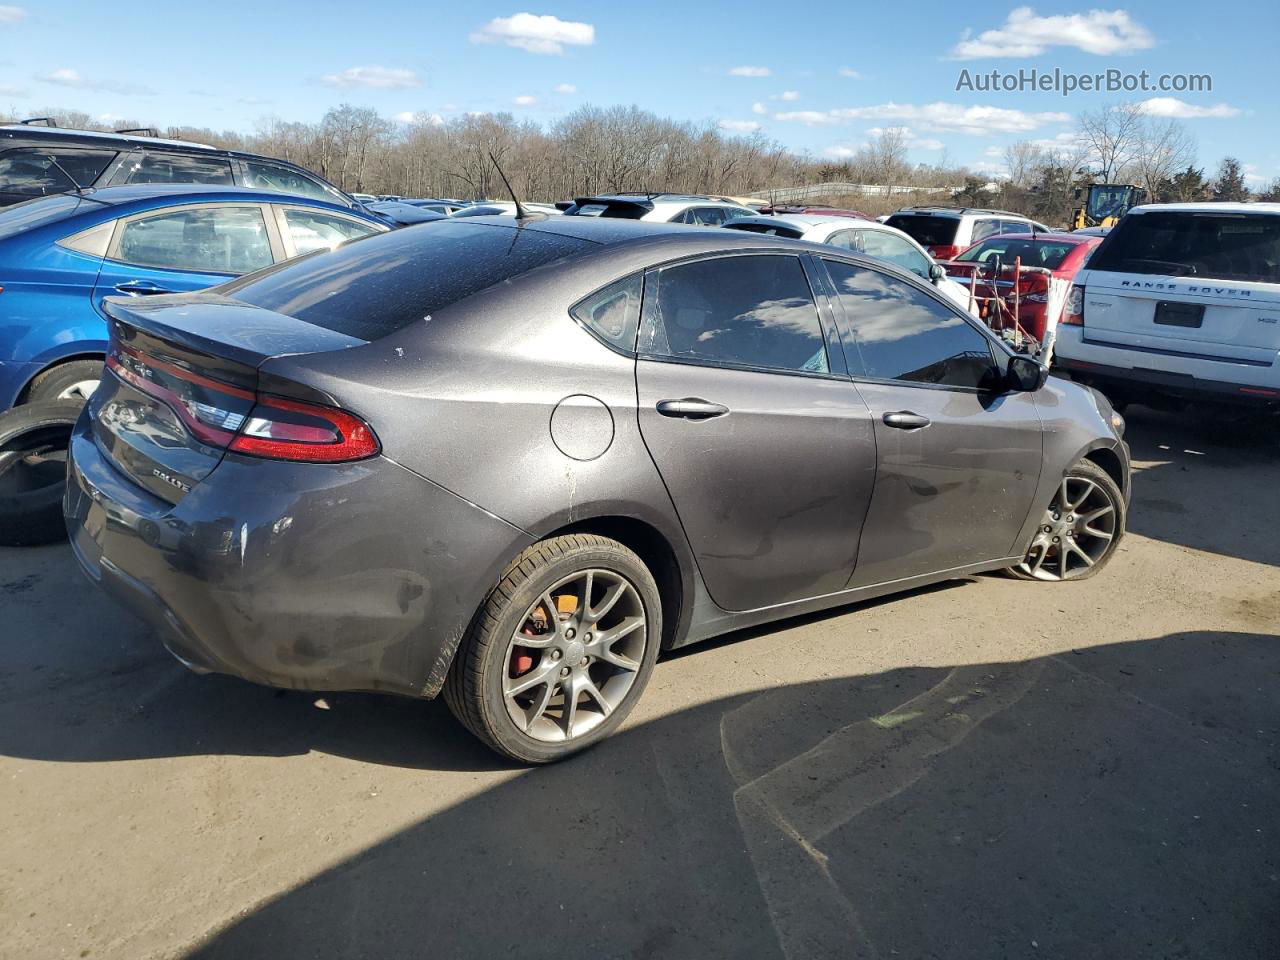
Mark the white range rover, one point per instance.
(1180, 300)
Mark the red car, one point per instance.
(1062, 254)
(818, 211)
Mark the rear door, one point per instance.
(1199, 284)
(179, 249)
(766, 448)
(959, 459)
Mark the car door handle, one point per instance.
(905, 420)
(140, 288)
(691, 408)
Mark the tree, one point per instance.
(1230, 184)
(1183, 187)
(1021, 160)
(1163, 146)
(1113, 138)
(1272, 193)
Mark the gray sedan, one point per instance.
(512, 460)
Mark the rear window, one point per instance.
(36, 213)
(926, 230)
(1214, 245)
(1034, 253)
(372, 287)
(35, 172)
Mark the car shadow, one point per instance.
(1207, 480)
(1117, 801)
(78, 699)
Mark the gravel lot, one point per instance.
(985, 769)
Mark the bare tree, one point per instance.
(1021, 159)
(1113, 136)
(1165, 146)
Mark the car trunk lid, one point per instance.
(183, 378)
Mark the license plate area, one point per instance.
(1172, 314)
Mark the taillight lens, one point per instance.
(943, 252)
(1073, 312)
(281, 429)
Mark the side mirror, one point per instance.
(1026, 375)
(937, 272)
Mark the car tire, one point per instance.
(530, 603)
(1080, 529)
(66, 381)
(33, 443)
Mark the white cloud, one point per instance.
(849, 72)
(841, 151)
(750, 72)
(913, 142)
(566, 88)
(536, 34)
(1104, 32)
(1173, 107)
(525, 101)
(739, 126)
(786, 95)
(759, 108)
(66, 77)
(374, 78)
(948, 117)
(413, 116)
(7, 90)
(12, 14)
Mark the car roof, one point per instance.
(27, 130)
(1220, 207)
(128, 193)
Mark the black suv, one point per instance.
(35, 161)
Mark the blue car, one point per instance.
(62, 255)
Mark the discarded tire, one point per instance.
(33, 469)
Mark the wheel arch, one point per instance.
(85, 353)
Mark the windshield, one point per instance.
(1108, 202)
(37, 212)
(1201, 244)
(373, 286)
(926, 230)
(1033, 253)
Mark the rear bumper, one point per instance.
(1137, 371)
(358, 576)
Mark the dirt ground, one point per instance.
(985, 769)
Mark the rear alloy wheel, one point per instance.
(1080, 529)
(33, 468)
(561, 650)
(73, 380)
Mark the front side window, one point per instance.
(904, 334)
(31, 172)
(896, 250)
(312, 230)
(210, 240)
(176, 168)
(1214, 245)
(269, 176)
(753, 311)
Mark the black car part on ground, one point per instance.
(33, 467)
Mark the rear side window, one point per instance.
(983, 229)
(268, 176)
(175, 168)
(34, 172)
(926, 230)
(375, 286)
(36, 213)
(210, 240)
(1213, 245)
(613, 313)
(754, 311)
(904, 334)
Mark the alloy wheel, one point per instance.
(1075, 533)
(575, 655)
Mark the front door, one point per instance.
(959, 456)
(765, 446)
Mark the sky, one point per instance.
(822, 77)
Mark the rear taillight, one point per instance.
(1073, 312)
(943, 252)
(281, 429)
(273, 427)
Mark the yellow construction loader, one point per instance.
(1107, 203)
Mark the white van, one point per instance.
(1180, 300)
